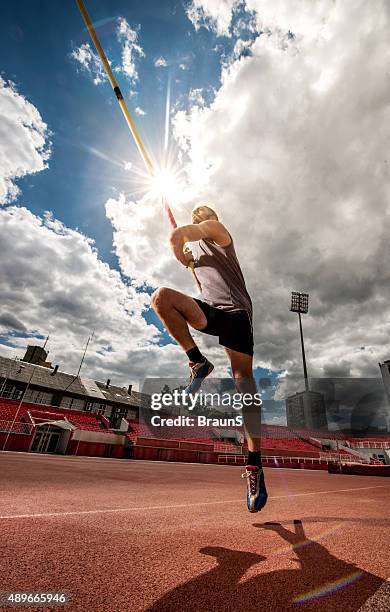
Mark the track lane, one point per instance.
(191, 547)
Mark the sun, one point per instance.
(166, 184)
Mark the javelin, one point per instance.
(129, 120)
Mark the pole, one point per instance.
(114, 85)
(85, 352)
(129, 120)
(303, 354)
(81, 363)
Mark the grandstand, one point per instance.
(37, 428)
(47, 411)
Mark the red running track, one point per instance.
(123, 536)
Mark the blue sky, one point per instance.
(36, 47)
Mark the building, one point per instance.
(41, 384)
(37, 355)
(306, 409)
(385, 371)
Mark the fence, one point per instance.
(370, 444)
(232, 459)
(226, 447)
(18, 427)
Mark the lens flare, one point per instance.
(166, 184)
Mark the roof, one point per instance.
(92, 388)
(121, 395)
(142, 400)
(39, 376)
(61, 424)
(115, 394)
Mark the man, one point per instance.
(225, 311)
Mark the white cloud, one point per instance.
(131, 53)
(131, 50)
(245, 24)
(139, 111)
(242, 48)
(141, 241)
(212, 14)
(160, 62)
(294, 153)
(308, 18)
(302, 17)
(24, 140)
(63, 289)
(195, 97)
(90, 62)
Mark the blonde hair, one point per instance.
(196, 208)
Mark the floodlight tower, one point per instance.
(300, 304)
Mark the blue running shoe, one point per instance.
(256, 492)
(199, 371)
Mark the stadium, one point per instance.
(172, 174)
(122, 516)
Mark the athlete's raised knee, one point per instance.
(161, 298)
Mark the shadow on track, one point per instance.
(321, 582)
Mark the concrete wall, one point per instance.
(83, 435)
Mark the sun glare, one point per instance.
(166, 184)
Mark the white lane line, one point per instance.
(125, 462)
(173, 506)
(333, 491)
(134, 462)
(380, 601)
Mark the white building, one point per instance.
(385, 371)
(306, 409)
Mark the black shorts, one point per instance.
(234, 329)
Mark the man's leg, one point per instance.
(243, 375)
(245, 383)
(177, 310)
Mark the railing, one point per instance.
(338, 456)
(232, 459)
(18, 427)
(370, 444)
(223, 447)
(327, 459)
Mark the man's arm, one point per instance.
(213, 230)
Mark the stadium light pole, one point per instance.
(300, 305)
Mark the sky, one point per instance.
(278, 115)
